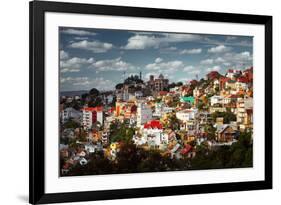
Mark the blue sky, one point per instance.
(101, 58)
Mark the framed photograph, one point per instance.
(140, 102)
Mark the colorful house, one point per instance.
(189, 99)
(152, 133)
(92, 115)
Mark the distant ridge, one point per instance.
(73, 93)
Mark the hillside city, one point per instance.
(158, 125)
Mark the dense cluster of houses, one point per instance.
(171, 119)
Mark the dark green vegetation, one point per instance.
(121, 133)
(227, 116)
(238, 155)
(131, 159)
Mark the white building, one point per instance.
(92, 115)
(241, 85)
(244, 110)
(144, 114)
(70, 113)
(232, 73)
(152, 133)
(216, 99)
(138, 94)
(161, 109)
(187, 114)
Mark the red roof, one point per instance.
(66, 166)
(91, 109)
(112, 109)
(232, 96)
(223, 79)
(213, 74)
(243, 79)
(153, 124)
(163, 93)
(193, 82)
(186, 149)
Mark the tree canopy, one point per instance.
(94, 92)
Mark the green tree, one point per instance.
(71, 124)
(119, 86)
(227, 116)
(94, 92)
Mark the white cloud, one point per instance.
(191, 51)
(219, 49)
(208, 61)
(81, 38)
(70, 70)
(214, 68)
(195, 71)
(141, 41)
(172, 48)
(243, 56)
(165, 67)
(158, 60)
(231, 59)
(94, 46)
(75, 64)
(188, 68)
(79, 83)
(238, 59)
(191, 70)
(78, 32)
(231, 38)
(219, 60)
(63, 55)
(116, 64)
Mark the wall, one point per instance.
(14, 98)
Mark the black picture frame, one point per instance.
(37, 11)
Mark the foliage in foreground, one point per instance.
(132, 159)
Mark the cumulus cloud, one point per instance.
(214, 68)
(219, 60)
(116, 64)
(87, 83)
(168, 66)
(188, 68)
(158, 60)
(208, 61)
(229, 59)
(191, 70)
(81, 38)
(219, 49)
(191, 51)
(63, 55)
(75, 64)
(78, 32)
(172, 48)
(237, 60)
(94, 46)
(141, 41)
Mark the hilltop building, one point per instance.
(158, 84)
